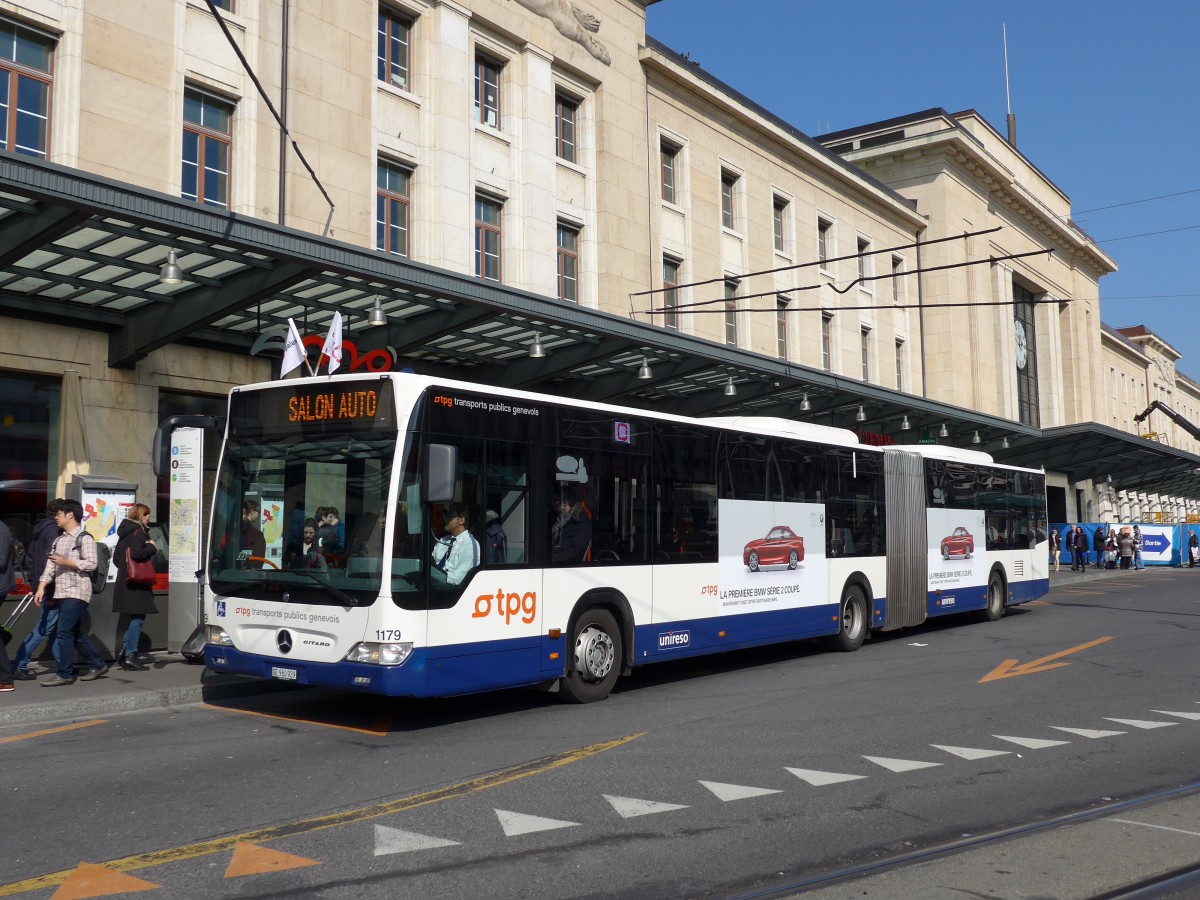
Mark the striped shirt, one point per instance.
(72, 584)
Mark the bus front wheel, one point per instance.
(853, 628)
(596, 655)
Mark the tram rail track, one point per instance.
(1169, 883)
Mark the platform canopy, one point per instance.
(87, 251)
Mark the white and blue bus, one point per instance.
(603, 537)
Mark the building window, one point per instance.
(824, 232)
(393, 48)
(899, 364)
(897, 283)
(207, 145)
(779, 219)
(391, 208)
(731, 331)
(669, 157)
(25, 58)
(864, 339)
(781, 326)
(827, 341)
(568, 263)
(865, 269)
(487, 91)
(671, 293)
(728, 186)
(226, 5)
(487, 238)
(566, 111)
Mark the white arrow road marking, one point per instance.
(1140, 723)
(1088, 732)
(729, 792)
(1183, 715)
(393, 840)
(515, 823)
(820, 779)
(971, 752)
(900, 765)
(630, 807)
(1031, 743)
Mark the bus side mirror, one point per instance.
(441, 472)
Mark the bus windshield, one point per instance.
(301, 507)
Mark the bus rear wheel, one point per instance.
(596, 654)
(853, 628)
(995, 599)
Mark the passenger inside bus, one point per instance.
(252, 544)
(571, 531)
(304, 554)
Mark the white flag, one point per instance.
(333, 343)
(293, 350)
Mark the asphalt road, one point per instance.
(729, 776)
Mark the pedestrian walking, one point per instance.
(1193, 550)
(1137, 549)
(45, 533)
(71, 562)
(1055, 546)
(1081, 550)
(8, 578)
(133, 600)
(1098, 544)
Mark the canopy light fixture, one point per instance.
(730, 388)
(536, 350)
(377, 316)
(644, 373)
(170, 273)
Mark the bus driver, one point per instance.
(456, 554)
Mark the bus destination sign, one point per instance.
(333, 406)
(350, 406)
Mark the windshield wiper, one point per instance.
(336, 593)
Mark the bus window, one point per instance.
(685, 499)
(854, 514)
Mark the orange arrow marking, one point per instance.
(1011, 667)
(251, 859)
(91, 880)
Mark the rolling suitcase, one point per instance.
(6, 629)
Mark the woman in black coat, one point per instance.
(133, 540)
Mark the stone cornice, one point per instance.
(1002, 186)
(809, 151)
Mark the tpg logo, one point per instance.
(674, 640)
(507, 606)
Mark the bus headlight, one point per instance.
(215, 634)
(392, 654)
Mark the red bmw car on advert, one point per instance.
(781, 547)
(960, 543)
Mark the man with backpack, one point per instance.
(45, 532)
(70, 567)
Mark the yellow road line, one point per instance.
(46, 731)
(305, 826)
(381, 725)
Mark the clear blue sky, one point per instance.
(1107, 98)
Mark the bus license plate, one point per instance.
(283, 674)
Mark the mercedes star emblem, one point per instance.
(283, 641)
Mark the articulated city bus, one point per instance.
(588, 539)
